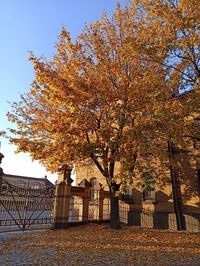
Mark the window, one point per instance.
(148, 195)
(129, 190)
(93, 182)
(35, 186)
(20, 183)
(93, 189)
(148, 187)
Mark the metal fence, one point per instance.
(76, 209)
(123, 212)
(25, 208)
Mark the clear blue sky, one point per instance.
(33, 25)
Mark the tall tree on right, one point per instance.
(169, 35)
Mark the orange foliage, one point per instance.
(108, 96)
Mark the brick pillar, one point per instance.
(86, 200)
(61, 205)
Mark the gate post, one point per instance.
(86, 200)
(62, 201)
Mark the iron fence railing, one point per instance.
(123, 212)
(24, 208)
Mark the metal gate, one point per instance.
(147, 218)
(25, 208)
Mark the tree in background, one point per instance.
(101, 99)
(169, 35)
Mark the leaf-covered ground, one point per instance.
(99, 245)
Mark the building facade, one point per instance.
(171, 193)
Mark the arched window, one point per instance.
(148, 186)
(93, 189)
(93, 182)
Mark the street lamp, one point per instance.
(1, 157)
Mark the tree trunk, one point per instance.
(176, 191)
(114, 212)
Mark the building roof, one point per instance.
(43, 179)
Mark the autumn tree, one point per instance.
(87, 104)
(100, 99)
(169, 35)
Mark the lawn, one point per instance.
(95, 244)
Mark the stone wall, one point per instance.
(160, 213)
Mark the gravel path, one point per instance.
(98, 245)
